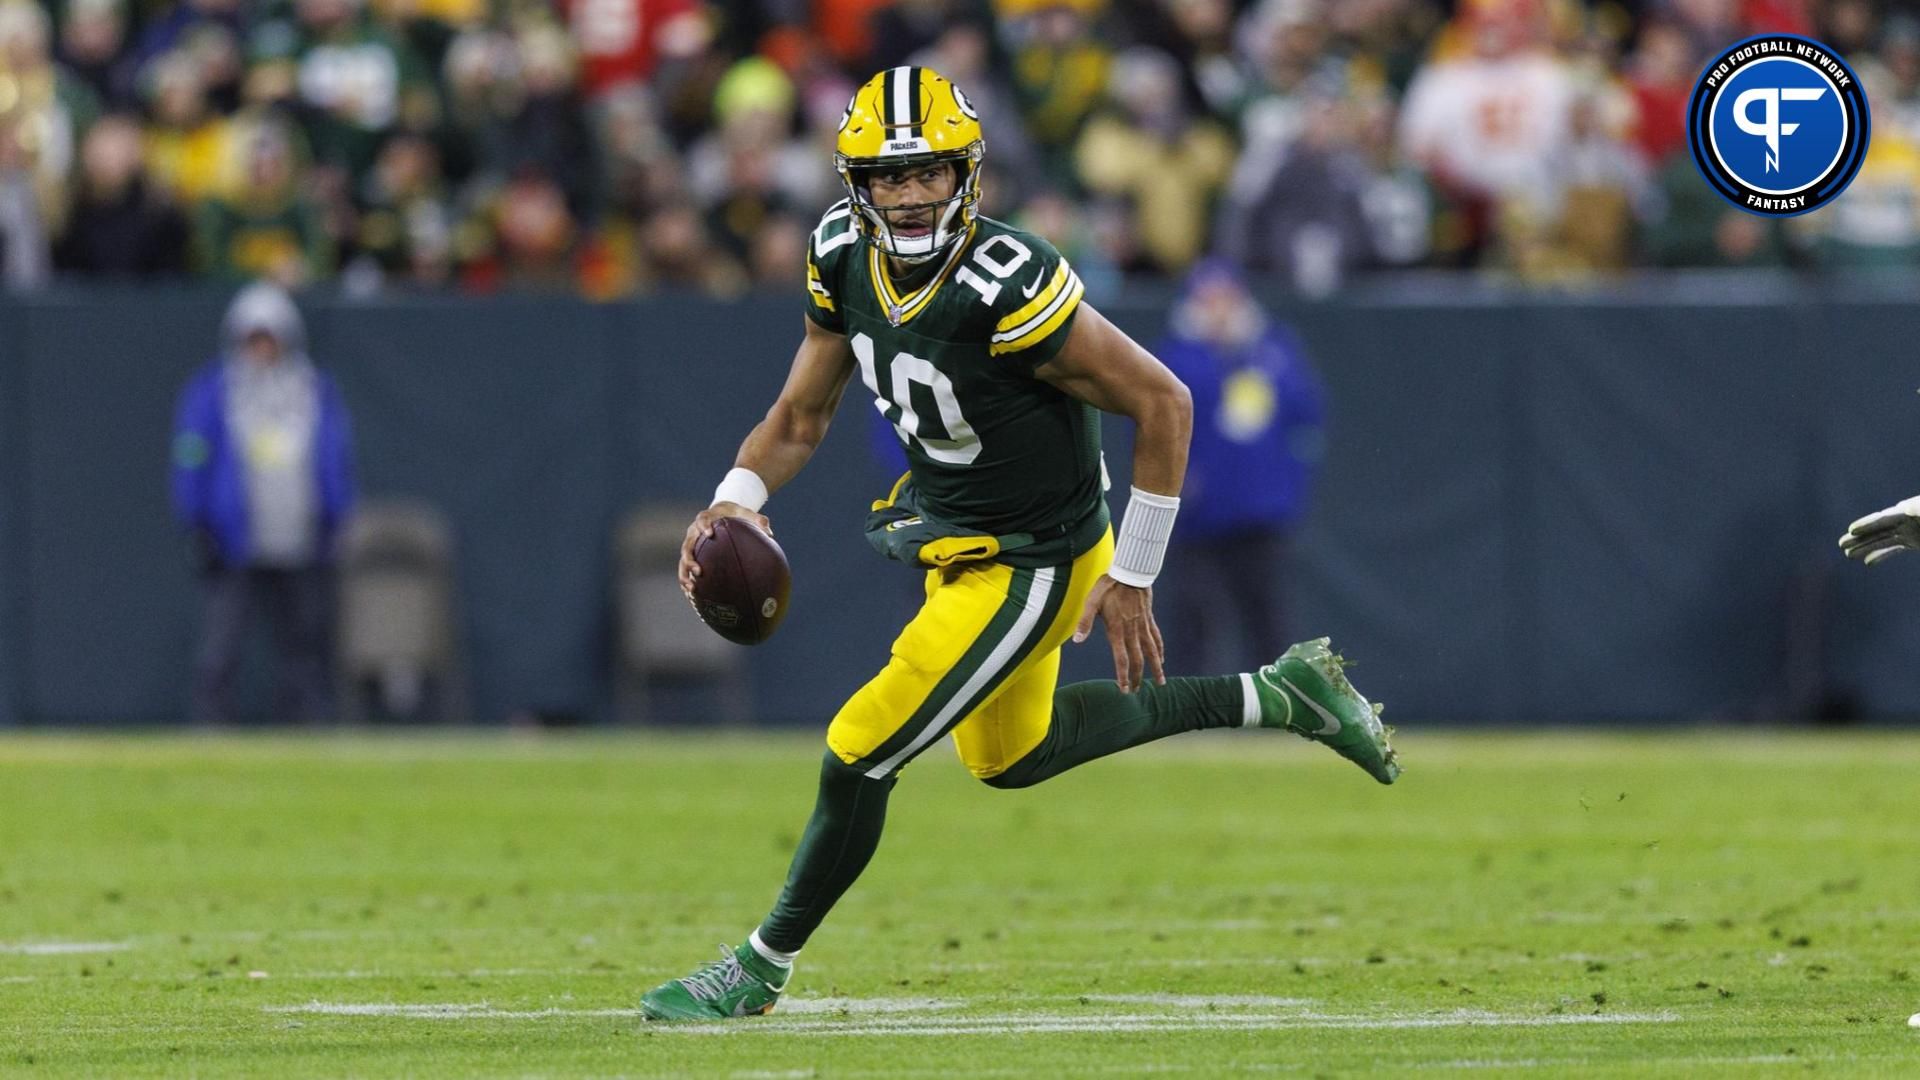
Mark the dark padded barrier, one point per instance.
(13, 411)
(1533, 509)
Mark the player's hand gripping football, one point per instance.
(1131, 631)
(1888, 532)
(702, 528)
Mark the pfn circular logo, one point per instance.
(1778, 125)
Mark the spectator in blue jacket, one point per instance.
(1257, 439)
(262, 481)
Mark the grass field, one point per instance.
(1683, 905)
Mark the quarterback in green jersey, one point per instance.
(975, 342)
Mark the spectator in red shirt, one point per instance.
(621, 42)
(1663, 69)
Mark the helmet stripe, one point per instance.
(900, 105)
(913, 102)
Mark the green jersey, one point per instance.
(949, 355)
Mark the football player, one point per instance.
(974, 341)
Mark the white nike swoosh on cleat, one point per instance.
(1332, 722)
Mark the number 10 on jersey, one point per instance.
(895, 402)
(895, 399)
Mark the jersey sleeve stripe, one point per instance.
(1062, 297)
(1036, 329)
(817, 289)
(1038, 304)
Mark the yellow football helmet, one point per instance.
(902, 117)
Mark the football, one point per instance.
(741, 590)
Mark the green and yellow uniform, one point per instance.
(949, 354)
(1004, 505)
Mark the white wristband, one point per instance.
(1142, 544)
(742, 486)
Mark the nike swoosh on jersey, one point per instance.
(1035, 287)
(1331, 722)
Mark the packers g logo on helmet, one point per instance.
(900, 118)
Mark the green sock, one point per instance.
(1094, 719)
(841, 836)
(1090, 720)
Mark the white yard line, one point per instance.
(485, 1011)
(447, 1011)
(870, 1016)
(475, 973)
(1203, 1001)
(1143, 1069)
(59, 948)
(350, 974)
(866, 1005)
(1241, 961)
(1563, 1064)
(1064, 1023)
(1252, 960)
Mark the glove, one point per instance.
(1888, 532)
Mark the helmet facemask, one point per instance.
(950, 216)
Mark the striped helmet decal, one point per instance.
(900, 102)
(913, 103)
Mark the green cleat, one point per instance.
(740, 983)
(1307, 693)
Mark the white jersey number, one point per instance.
(822, 243)
(1017, 256)
(961, 445)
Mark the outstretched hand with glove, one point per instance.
(1887, 532)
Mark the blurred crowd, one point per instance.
(612, 146)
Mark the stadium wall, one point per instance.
(1563, 509)
(13, 400)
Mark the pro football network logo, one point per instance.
(1778, 125)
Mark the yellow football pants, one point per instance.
(980, 660)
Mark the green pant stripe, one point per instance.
(1050, 610)
(1008, 636)
(949, 684)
